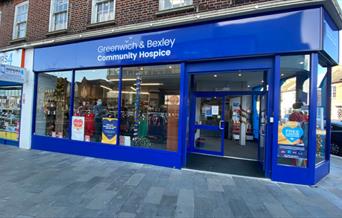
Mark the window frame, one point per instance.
(162, 2)
(15, 22)
(0, 17)
(94, 14)
(52, 27)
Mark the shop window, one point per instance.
(170, 4)
(103, 10)
(150, 107)
(322, 96)
(58, 15)
(230, 81)
(10, 112)
(53, 104)
(20, 20)
(96, 105)
(294, 110)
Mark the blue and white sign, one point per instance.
(292, 134)
(12, 58)
(12, 74)
(300, 31)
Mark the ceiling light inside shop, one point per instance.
(152, 84)
(240, 74)
(134, 89)
(302, 62)
(125, 79)
(215, 75)
(105, 87)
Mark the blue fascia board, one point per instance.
(285, 32)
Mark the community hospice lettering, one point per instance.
(133, 50)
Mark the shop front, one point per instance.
(12, 78)
(242, 89)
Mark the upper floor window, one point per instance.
(103, 10)
(0, 17)
(58, 15)
(20, 20)
(170, 4)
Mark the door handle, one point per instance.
(221, 125)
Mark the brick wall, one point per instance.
(127, 12)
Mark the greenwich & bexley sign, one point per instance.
(134, 50)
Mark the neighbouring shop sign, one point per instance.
(77, 132)
(12, 74)
(109, 130)
(12, 58)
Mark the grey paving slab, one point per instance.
(41, 184)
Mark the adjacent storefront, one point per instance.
(157, 97)
(12, 78)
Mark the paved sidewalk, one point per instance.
(44, 184)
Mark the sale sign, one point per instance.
(77, 132)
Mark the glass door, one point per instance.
(262, 129)
(208, 125)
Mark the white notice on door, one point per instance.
(214, 110)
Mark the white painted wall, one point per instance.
(27, 103)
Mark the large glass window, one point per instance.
(230, 81)
(322, 96)
(53, 104)
(294, 110)
(96, 105)
(170, 4)
(59, 15)
(150, 107)
(20, 20)
(10, 101)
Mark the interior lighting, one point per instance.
(152, 84)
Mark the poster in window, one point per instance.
(109, 130)
(77, 132)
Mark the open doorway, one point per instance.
(228, 122)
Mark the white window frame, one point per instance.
(15, 23)
(0, 17)
(163, 7)
(94, 14)
(52, 26)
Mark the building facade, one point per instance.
(229, 86)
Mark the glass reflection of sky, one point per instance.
(91, 74)
(321, 74)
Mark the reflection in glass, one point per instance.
(52, 111)
(294, 110)
(96, 104)
(150, 107)
(322, 96)
(229, 81)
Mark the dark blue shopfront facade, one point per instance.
(248, 43)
